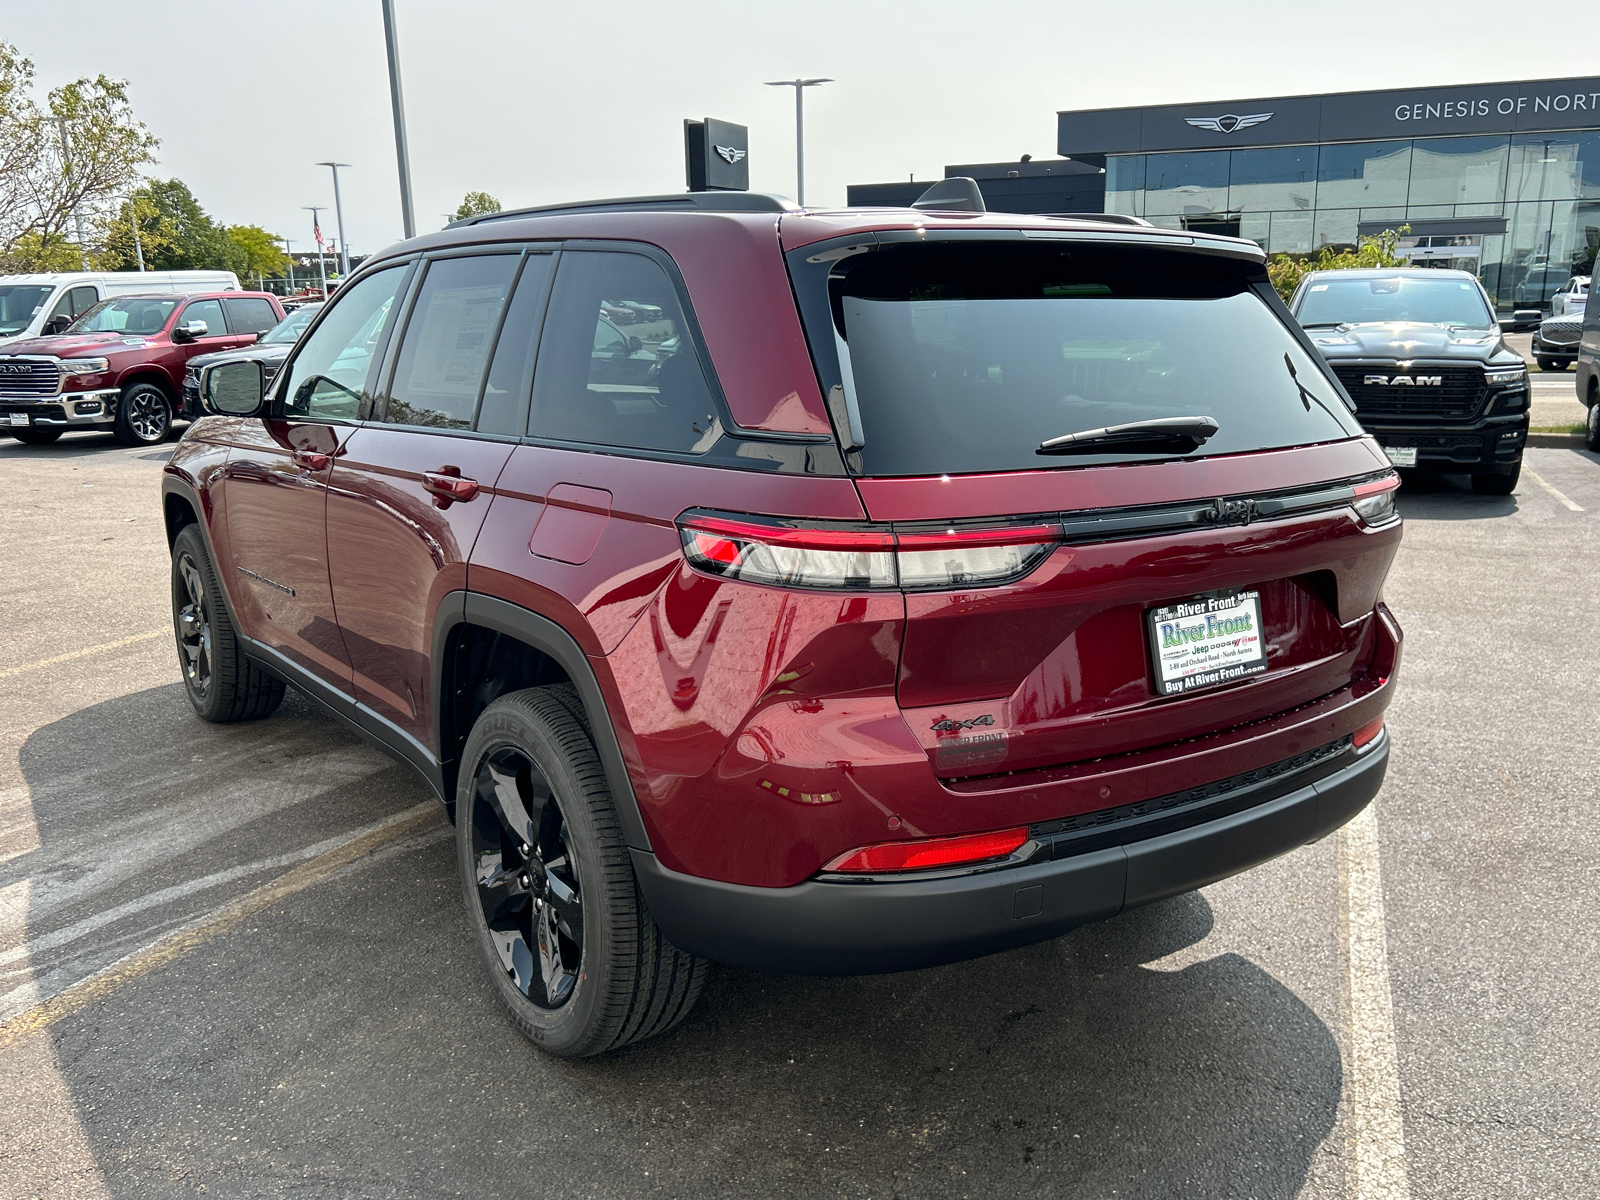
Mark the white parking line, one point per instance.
(1537, 478)
(1377, 1131)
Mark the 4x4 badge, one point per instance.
(948, 726)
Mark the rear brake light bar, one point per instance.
(1374, 500)
(863, 557)
(927, 853)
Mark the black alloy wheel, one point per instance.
(193, 626)
(144, 416)
(548, 881)
(528, 877)
(222, 684)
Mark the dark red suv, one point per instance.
(823, 592)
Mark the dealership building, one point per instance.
(1502, 179)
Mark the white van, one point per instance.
(31, 305)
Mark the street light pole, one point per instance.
(77, 221)
(799, 86)
(402, 155)
(290, 256)
(322, 269)
(338, 216)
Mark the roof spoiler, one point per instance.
(959, 193)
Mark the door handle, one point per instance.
(309, 459)
(447, 486)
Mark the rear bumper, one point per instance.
(855, 927)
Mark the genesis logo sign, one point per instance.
(729, 154)
(1227, 123)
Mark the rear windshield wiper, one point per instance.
(1159, 435)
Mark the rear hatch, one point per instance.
(1118, 591)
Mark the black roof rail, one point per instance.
(674, 202)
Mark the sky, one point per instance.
(538, 103)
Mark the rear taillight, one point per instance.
(1367, 734)
(927, 853)
(862, 557)
(1374, 501)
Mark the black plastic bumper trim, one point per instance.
(827, 927)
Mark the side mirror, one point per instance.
(232, 389)
(56, 325)
(634, 345)
(189, 331)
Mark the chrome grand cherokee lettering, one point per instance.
(1405, 380)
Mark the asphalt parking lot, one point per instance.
(233, 960)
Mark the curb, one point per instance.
(1556, 441)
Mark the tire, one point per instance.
(549, 885)
(36, 437)
(222, 684)
(144, 416)
(1591, 426)
(1491, 484)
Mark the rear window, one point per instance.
(963, 357)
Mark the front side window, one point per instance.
(616, 363)
(209, 311)
(74, 304)
(447, 340)
(968, 357)
(328, 377)
(140, 315)
(1443, 300)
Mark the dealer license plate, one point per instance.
(1401, 456)
(19, 418)
(1206, 641)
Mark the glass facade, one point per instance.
(1294, 199)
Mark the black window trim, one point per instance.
(274, 408)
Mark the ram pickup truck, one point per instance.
(121, 364)
(1421, 354)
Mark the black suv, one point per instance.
(1421, 354)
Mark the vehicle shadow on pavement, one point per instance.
(347, 1042)
(1428, 496)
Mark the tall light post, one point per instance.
(402, 155)
(799, 86)
(289, 254)
(338, 216)
(133, 220)
(77, 221)
(322, 269)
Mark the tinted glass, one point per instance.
(209, 311)
(142, 315)
(446, 344)
(965, 358)
(288, 330)
(1446, 300)
(1458, 170)
(249, 315)
(74, 304)
(1363, 174)
(616, 363)
(1273, 179)
(18, 303)
(328, 376)
(1177, 184)
(504, 407)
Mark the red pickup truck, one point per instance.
(121, 364)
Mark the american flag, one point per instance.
(316, 230)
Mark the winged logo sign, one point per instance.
(730, 154)
(1227, 123)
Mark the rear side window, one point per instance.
(616, 365)
(962, 357)
(250, 315)
(445, 349)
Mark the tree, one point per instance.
(1287, 270)
(476, 204)
(192, 240)
(256, 252)
(63, 166)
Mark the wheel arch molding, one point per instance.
(462, 612)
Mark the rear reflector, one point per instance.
(862, 557)
(1367, 734)
(930, 852)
